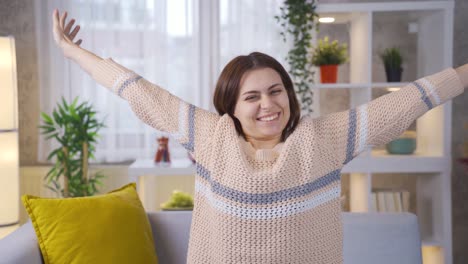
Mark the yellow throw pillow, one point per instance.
(111, 228)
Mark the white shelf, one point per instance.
(381, 153)
(388, 84)
(390, 6)
(373, 164)
(149, 167)
(358, 85)
(398, 164)
(341, 85)
(432, 243)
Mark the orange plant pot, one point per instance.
(328, 73)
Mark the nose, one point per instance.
(266, 102)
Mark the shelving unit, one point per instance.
(368, 28)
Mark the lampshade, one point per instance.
(9, 158)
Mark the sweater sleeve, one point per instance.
(189, 125)
(384, 119)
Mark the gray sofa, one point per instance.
(384, 238)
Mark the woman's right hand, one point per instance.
(63, 35)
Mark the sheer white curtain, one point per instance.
(155, 38)
(248, 26)
(172, 43)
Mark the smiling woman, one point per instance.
(252, 89)
(267, 186)
(263, 112)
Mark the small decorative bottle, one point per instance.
(162, 155)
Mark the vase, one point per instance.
(162, 154)
(404, 145)
(393, 74)
(328, 73)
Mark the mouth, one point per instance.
(269, 118)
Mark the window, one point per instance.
(181, 45)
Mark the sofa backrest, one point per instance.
(382, 238)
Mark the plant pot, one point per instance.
(328, 73)
(393, 74)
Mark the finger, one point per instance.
(69, 26)
(74, 32)
(78, 42)
(55, 27)
(55, 17)
(62, 19)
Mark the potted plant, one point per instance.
(392, 60)
(328, 55)
(75, 128)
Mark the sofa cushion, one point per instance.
(110, 228)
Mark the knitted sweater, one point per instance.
(279, 205)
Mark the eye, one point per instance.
(250, 97)
(276, 92)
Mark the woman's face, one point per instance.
(263, 104)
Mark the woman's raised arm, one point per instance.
(189, 125)
(346, 134)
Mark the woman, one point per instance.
(268, 181)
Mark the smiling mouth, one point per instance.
(269, 118)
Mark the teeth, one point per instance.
(269, 118)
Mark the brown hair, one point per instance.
(228, 88)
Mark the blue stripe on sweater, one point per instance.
(267, 198)
(351, 135)
(191, 127)
(127, 83)
(424, 96)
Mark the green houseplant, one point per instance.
(298, 19)
(328, 55)
(392, 60)
(75, 128)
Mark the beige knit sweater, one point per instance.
(280, 205)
